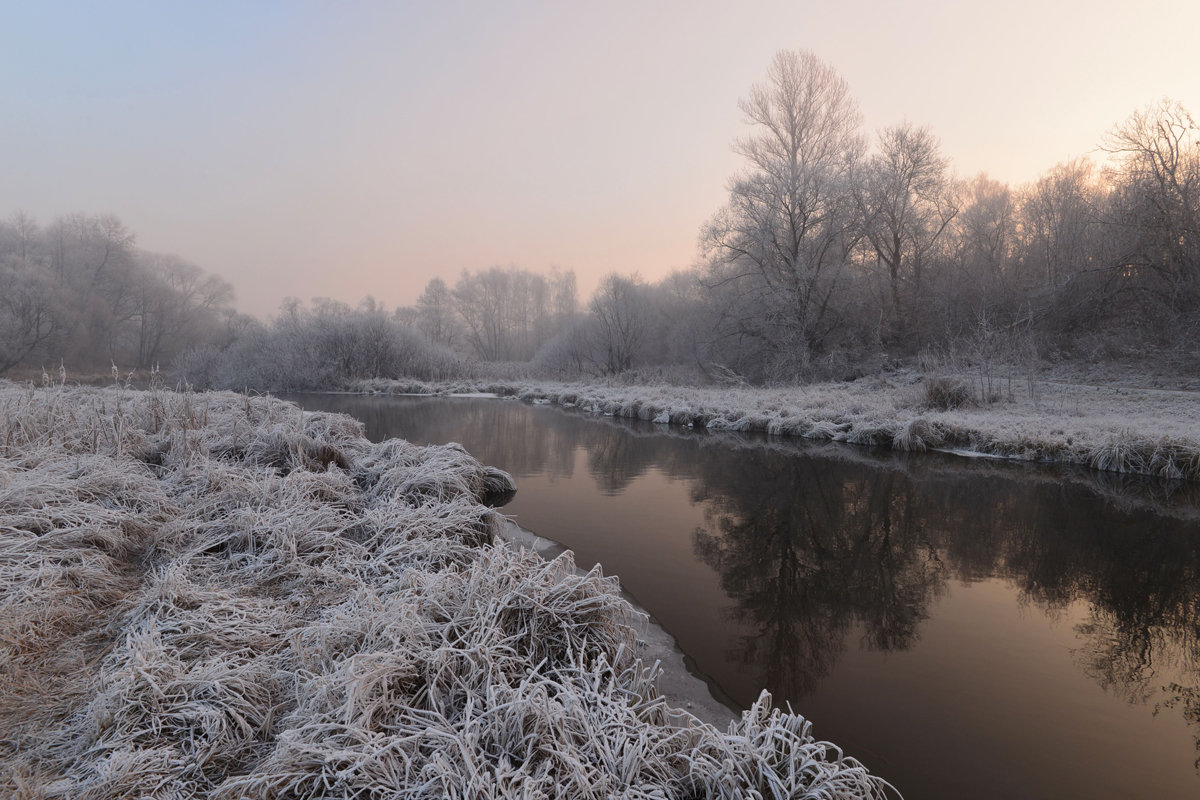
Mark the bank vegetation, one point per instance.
(221, 596)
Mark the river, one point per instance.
(964, 627)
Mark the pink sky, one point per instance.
(319, 149)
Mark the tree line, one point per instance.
(79, 291)
(832, 241)
(837, 253)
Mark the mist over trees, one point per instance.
(326, 345)
(499, 317)
(78, 291)
(507, 314)
(839, 252)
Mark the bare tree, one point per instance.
(986, 245)
(482, 303)
(509, 313)
(564, 296)
(621, 313)
(174, 304)
(1059, 217)
(1157, 181)
(29, 313)
(780, 245)
(93, 259)
(906, 204)
(1064, 251)
(435, 313)
(19, 237)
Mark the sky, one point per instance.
(322, 149)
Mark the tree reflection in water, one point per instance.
(815, 550)
(818, 548)
(808, 552)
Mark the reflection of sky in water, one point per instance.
(964, 628)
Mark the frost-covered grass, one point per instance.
(1122, 429)
(216, 596)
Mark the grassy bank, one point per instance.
(215, 596)
(1114, 428)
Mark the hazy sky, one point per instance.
(340, 149)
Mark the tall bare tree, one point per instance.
(906, 205)
(779, 246)
(1059, 218)
(986, 246)
(509, 313)
(621, 313)
(174, 304)
(1157, 181)
(435, 313)
(30, 313)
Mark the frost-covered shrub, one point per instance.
(944, 394)
(328, 347)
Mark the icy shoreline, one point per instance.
(1112, 428)
(217, 596)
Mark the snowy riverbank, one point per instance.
(215, 596)
(1116, 428)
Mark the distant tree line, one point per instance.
(327, 345)
(496, 314)
(79, 291)
(837, 253)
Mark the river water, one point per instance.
(964, 627)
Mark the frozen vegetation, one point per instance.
(220, 596)
(1116, 428)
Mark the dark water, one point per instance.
(966, 628)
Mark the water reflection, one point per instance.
(617, 461)
(813, 550)
(821, 554)
(809, 550)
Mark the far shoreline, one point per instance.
(1120, 429)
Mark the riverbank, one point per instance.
(1118, 428)
(676, 682)
(217, 596)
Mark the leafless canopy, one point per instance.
(783, 239)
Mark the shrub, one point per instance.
(943, 393)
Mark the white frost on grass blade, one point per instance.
(1113, 428)
(214, 596)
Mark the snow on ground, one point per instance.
(216, 596)
(1118, 428)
